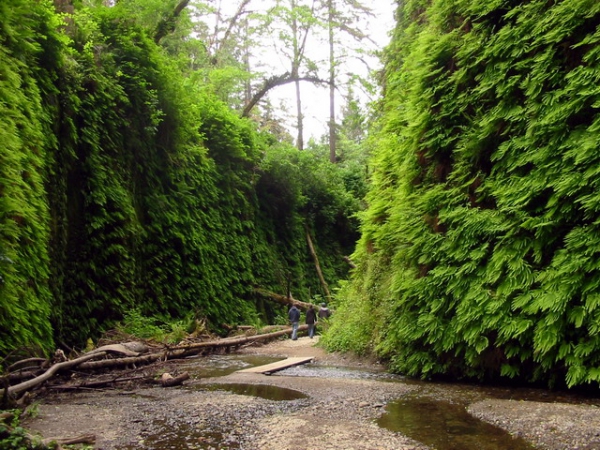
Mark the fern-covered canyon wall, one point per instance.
(125, 185)
(480, 247)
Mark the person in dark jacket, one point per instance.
(311, 320)
(324, 312)
(294, 316)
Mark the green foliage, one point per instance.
(15, 437)
(168, 331)
(138, 325)
(300, 191)
(353, 325)
(130, 191)
(483, 211)
(27, 47)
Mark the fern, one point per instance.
(483, 207)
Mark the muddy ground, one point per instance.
(337, 412)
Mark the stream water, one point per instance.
(258, 390)
(435, 414)
(446, 426)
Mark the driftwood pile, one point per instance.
(27, 375)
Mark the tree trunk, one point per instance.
(299, 119)
(282, 299)
(30, 384)
(167, 24)
(332, 127)
(317, 265)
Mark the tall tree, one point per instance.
(296, 23)
(332, 127)
(346, 18)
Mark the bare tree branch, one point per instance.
(167, 25)
(274, 81)
(240, 11)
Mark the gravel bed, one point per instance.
(549, 426)
(339, 412)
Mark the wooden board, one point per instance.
(268, 369)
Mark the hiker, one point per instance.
(311, 320)
(324, 312)
(294, 315)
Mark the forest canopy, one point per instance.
(480, 246)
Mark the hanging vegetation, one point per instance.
(28, 46)
(479, 254)
(126, 186)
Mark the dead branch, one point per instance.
(350, 262)
(84, 362)
(30, 384)
(282, 299)
(168, 380)
(29, 362)
(83, 439)
(20, 375)
(274, 81)
(313, 253)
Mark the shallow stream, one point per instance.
(435, 414)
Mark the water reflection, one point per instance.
(183, 436)
(223, 365)
(257, 390)
(446, 426)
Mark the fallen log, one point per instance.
(89, 439)
(119, 362)
(282, 299)
(183, 351)
(168, 380)
(84, 362)
(313, 253)
(126, 348)
(190, 349)
(30, 384)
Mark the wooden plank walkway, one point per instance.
(268, 369)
